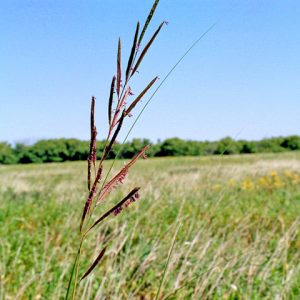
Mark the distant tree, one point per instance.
(194, 148)
(7, 155)
(291, 142)
(154, 150)
(209, 148)
(227, 146)
(173, 147)
(57, 150)
(28, 157)
(270, 145)
(50, 150)
(247, 146)
(75, 149)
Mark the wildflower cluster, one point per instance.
(248, 184)
(292, 177)
(270, 182)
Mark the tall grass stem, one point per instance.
(168, 261)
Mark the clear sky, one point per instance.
(242, 80)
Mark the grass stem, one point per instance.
(168, 261)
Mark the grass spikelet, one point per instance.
(140, 96)
(110, 100)
(121, 174)
(92, 114)
(117, 179)
(131, 194)
(89, 174)
(87, 206)
(93, 146)
(119, 75)
(127, 93)
(133, 51)
(90, 197)
(138, 155)
(94, 264)
(148, 21)
(147, 48)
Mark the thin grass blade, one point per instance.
(167, 263)
(94, 264)
(71, 277)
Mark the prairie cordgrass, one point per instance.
(233, 243)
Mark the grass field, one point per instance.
(237, 218)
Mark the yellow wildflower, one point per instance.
(273, 174)
(296, 179)
(264, 182)
(288, 174)
(248, 185)
(232, 182)
(278, 183)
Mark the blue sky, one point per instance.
(242, 79)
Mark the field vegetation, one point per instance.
(237, 219)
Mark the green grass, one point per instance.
(239, 235)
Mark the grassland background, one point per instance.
(238, 238)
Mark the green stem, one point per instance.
(71, 277)
(167, 263)
(74, 270)
(77, 267)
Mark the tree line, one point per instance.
(59, 150)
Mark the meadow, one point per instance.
(233, 222)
